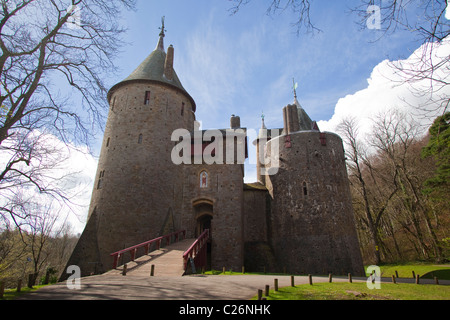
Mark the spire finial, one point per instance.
(295, 86)
(263, 123)
(162, 34)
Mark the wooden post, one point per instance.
(330, 278)
(436, 280)
(276, 284)
(267, 290)
(125, 268)
(396, 273)
(292, 281)
(2, 289)
(310, 279)
(259, 294)
(393, 279)
(414, 274)
(350, 278)
(47, 277)
(152, 271)
(417, 279)
(30, 281)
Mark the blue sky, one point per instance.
(244, 64)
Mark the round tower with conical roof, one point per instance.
(312, 221)
(135, 197)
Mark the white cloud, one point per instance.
(57, 166)
(387, 89)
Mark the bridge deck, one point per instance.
(168, 261)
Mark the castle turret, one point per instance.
(136, 196)
(312, 220)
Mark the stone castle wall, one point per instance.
(136, 192)
(312, 221)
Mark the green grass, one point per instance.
(424, 270)
(11, 294)
(359, 291)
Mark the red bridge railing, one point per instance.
(198, 251)
(146, 245)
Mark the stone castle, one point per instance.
(296, 218)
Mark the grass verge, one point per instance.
(359, 291)
(11, 294)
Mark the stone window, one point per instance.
(100, 180)
(305, 189)
(182, 109)
(108, 142)
(147, 97)
(203, 180)
(141, 137)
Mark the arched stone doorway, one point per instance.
(204, 216)
(204, 222)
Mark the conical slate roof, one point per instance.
(304, 120)
(152, 69)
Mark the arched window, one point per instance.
(203, 179)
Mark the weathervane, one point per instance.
(162, 28)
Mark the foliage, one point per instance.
(396, 220)
(17, 260)
(438, 148)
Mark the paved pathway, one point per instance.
(196, 287)
(169, 284)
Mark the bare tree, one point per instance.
(393, 136)
(373, 205)
(55, 55)
(424, 18)
(426, 72)
(301, 9)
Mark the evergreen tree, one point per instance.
(439, 148)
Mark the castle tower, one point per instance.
(136, 197)
(312, 220)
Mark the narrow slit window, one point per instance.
(141, 137)
(100, 180)
(182, 109)
(305, 189)
(147, 97)
(108, 142)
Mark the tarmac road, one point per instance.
(195, 287)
